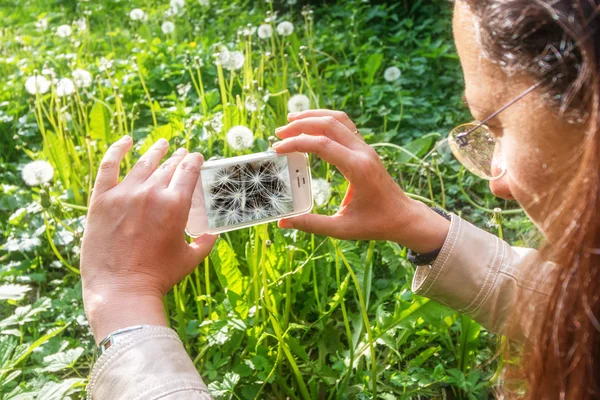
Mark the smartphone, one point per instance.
(239, 192)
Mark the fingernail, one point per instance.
(279, 129)
(180, 151)
(275, 144)
(284, 223)
(292, 115)
(125, 138)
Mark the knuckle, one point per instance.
(107, 164)
(332, 121)
(142, 164)
(189, 166)
(323, 141)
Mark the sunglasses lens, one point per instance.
(475, 148)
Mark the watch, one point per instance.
(427, 258)
(117, 336)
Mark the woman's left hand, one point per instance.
(134, 249)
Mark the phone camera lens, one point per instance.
(297, 170)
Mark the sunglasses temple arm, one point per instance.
(494, 115)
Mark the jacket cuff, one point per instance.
(464, 272)
(147, 364)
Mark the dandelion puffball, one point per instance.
(222, 56)
(37, 84)
(137, 14)
(177, 4)
(65, 87)
(81, 24)
(321, 190)
(64, 31)
(82, 78)
(265, 31)
(37, 173)
(240, 138)
(168, 27)
(285, 28)
(298, 103)
(236, 60)
(392, 74)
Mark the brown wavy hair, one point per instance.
(560, 39)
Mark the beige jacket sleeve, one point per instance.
(478, 274)
(145, 365)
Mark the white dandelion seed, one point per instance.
(137, 14)
(168, 27)
(64, 31)
(392, 74)
(37, 84)
(265, 31)
(177, 4)
(248, 30)
(298, 103)
(251, 103)
(81, 24)
(216, 122)
(281, 202)
(42, 24)
(222, 56)
(240, 138)
(236, 61)
(321, 190)
(285, 28)
(65, 87)
(82, 78)
(37, 173)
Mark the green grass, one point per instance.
(270, 314)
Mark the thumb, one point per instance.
(313, 223)
(200, 248)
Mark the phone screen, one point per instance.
(247, 192)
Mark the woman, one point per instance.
(531, 75)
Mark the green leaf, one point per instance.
(59, 390)
(167, 132)
(227, 268)
(418, 147)
(62, 360)
(100, 125)
(56, 152)
(468, 342)
(372, 66)
(13, 292)
(424, 356)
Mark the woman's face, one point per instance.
(540, 150)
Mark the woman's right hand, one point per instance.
(375, 207)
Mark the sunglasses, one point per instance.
(475, 147)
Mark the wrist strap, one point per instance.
(113, 337)
(427, 258)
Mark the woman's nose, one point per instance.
(501, 188)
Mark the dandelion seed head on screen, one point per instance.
(247, 192)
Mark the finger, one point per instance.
(199, 249)
(313, 223)
(108, 171)
(186, 176)
(339, 115)
(326, 148)
(320, 126)
(162, 176)
(148, 163)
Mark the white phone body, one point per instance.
(239, 192)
